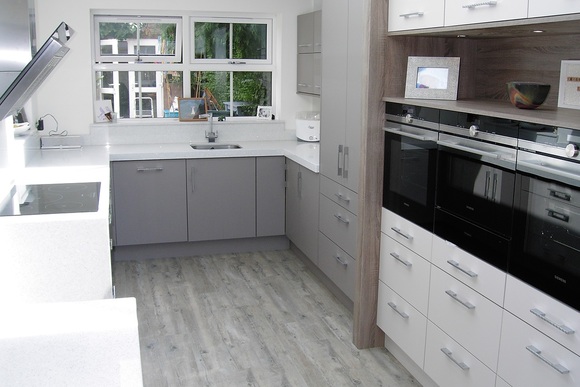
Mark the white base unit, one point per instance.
(451, 365)
(402, 323)
(407, 233)
(529, 358)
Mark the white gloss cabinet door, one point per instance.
(529, 358)
(402, 323)
(405, 272)
(469, 269)
(459, 12)
(466, 316)
(415, 14)
(538, 8)
(451, 365)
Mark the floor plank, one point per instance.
(252, 319)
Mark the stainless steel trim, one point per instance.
(411, 132)
(416, 121)
(550, 168)
(492, 153)
(561, 327)
(537, 353)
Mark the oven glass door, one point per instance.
(409, 177)
(548, 238)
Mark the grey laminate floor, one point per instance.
(260, 319)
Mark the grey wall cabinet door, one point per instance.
(302, 192)
(221, 201)
(270, 196)
(150, 202)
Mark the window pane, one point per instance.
(250, 41)
(141, 94)
(212, 40)
(250, 89)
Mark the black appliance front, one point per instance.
(547, 238)
(410, 164)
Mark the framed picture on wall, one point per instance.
(432, 77)
(192, 109)
(569, 92)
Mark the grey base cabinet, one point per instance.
(221, 198)
(149, 201)
(270, 196)
(302, 190)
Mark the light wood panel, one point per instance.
(258, 319)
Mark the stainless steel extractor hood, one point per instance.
(35, 72)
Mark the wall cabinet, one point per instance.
(341, 102)
(459, 12)
(302, 190)
(149, 200)
(309, 48)
(538, 8)
(415, 14)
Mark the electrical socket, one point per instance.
(40, 124)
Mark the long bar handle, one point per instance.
(341, 219)
(343, 263)
(192, 178)
(398, 231)
(394, 307)
(398, 258)
(416, 13)
(471, 6)
(152, 169)
(345, 161)
(558, 215)
(562, 327)
(461, 269)
(454, 295)
(342, 197)
(537, 353)
(460, 364)
(338, 162)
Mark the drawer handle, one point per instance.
(543, 316)
(537, 353)
(461, 269)
(454, 295)
(394, 307)
(407, 15)
(342, 197)
(152, 169)
(398, 231)
(471, 6)
(398, 258)
(560, 195)
(341, 219)
(460, 364)
(343, 263)
(558, 215)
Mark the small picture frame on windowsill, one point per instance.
(432, 77)
(264, 112)
(192, 109)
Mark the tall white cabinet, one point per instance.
(342, 38)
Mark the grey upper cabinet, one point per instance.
(309, 27)
(221, 200)
(302, 189)
(270, 196)
(149, 200)
(341, 97)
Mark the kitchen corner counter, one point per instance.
(304, 153)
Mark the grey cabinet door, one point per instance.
(302, 192)
(221, 198)
(270, 196)
(149, 201)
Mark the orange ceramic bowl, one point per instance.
(527, 95)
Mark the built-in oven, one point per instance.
(547, 219)
(411, 134)
(475, 184)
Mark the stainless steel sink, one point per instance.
(215, 146)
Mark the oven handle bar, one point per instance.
(410, 135)
(469, 149)
(533, 168)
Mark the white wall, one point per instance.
(68, 92)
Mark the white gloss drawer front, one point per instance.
(415, 14)
(529, 358)
(551, 317)
(338, 224)
(405, 272)
(482, 11)
(538, 8)
(466, 316)
(407, 233)
(339, 194)
(402, 323)
(470, 270)
(450, 364)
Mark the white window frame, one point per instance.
(103, 58)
